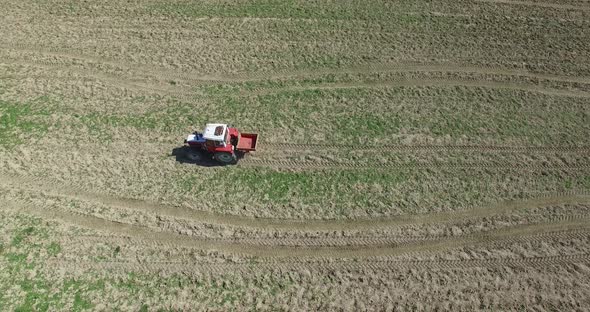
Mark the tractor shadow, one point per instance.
(198, 158)
(203, 160)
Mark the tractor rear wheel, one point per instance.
(225, 158)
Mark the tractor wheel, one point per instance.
(225, 158)
(194, 155)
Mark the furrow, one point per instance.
(57, 188)
(282, 252)
(224, 268)
(319, 165)
(343, 242)
(434, 82)
(538, 4)
(289, 73)
(429, 148)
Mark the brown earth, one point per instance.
(413, 155)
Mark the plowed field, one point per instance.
(413, 155)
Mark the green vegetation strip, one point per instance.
(386, 115)
(19, 121)
(369, 192)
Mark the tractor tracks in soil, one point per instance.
(297, 254)
(56, 188)
(264, 146)
(427, 148)
(346, 242)
(538, 4)
(164, 76)
(169, 267)
(167, 74)
(463, 149)
(183, 257)
(131, 84)
(432, 82)
(306, 253)
(282, 162)
(184, 93)
(295, 164)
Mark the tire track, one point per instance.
(428, 148)
(538, 4)
(344, 242)
(291, 164)
(56, 188)
(158, 89)
(264, 146)
(183, 255)
(433, 82)
(423, 68)
(389, 147)
(348, 266)
(288, 73)
(142, 87)
(160, 74)
(430, 82)
(282, 252)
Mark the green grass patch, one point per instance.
(17, 258)
(53, 249)
(19, 121)
(81, 304)
(21, 235)
(178, 115)
(187, 183)
(341, 193)
(281, 187)
(37, 296)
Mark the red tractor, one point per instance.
(222, 142)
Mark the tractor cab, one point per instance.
(223, 142)
(216, 135)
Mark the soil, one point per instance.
(412, 155)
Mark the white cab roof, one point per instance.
(215, 132)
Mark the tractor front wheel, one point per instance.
(225, 158)
(193, 155)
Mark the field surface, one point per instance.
(413, 155)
